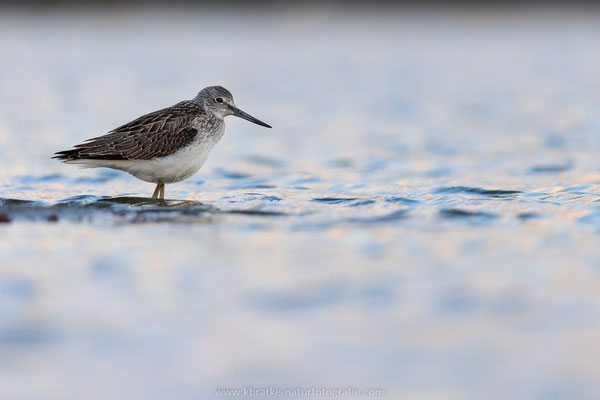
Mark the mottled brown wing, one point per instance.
(157, 134)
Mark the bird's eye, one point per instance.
(219, 100)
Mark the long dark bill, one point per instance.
(239, 113)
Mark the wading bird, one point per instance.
(165, 146)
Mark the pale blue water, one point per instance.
(423, 218)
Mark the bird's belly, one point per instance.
(173, 168)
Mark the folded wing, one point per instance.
(157, 134)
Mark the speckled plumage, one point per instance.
(157, 134)
(164, 146)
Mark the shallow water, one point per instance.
(423, 218)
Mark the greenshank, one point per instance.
(165, 146)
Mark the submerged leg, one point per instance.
(162, 191)
(156, 191)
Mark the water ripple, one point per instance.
(389, 217)
(401, 200)
(458, 213)
(334, 200)
(550, 169)
(477, 191)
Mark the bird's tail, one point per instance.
(67, 155)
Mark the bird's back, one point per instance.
(157, 134)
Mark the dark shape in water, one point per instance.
(249, 196)
(19, 202)
(550, 169)
(476, 191)
(524, 216)
(147, 201)
(16, 210)
(260, 186)
(259, 213)
(270, 198)
(150, 206)
(401, 200)
(124, 209)
(335, 200)
(88, 208)
(451, 213)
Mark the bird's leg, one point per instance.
(162, 191)
(156, 191)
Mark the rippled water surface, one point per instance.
(423, 218)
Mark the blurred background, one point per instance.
(423, 218)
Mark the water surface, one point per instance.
(424, 217)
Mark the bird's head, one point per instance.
(219, 101)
